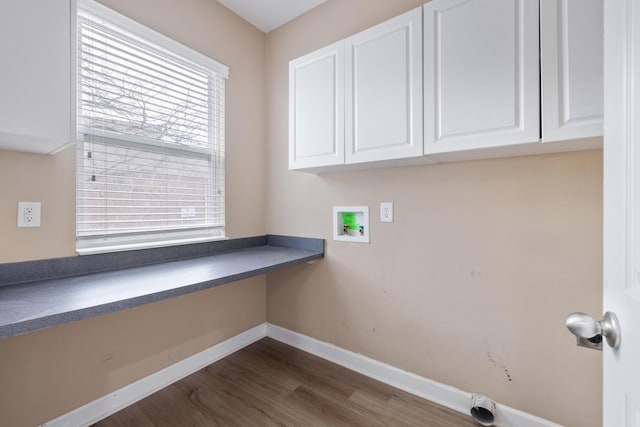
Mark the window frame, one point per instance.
(140, 34)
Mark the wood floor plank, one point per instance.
(390, 415)
(421, 409)
(329, 412)
(225, 393)
(305, 368)
(253, 394)
(272, 384)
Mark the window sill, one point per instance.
(146, 245)
(40, 294)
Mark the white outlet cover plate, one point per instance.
(386, 211)
(26, 219)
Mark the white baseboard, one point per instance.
(442, 394)
(128, 395)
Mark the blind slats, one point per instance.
(155, 120)
(106, 89)
(94, 63)
(195, 186)
(120, 93)
(93, 67)
(151, 139)
(99, 38)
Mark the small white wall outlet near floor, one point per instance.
(386, 212)
(29, 214)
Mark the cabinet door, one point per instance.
(35, 83)
(316, 108)
(384, 90)
(481, 74)
(572, 68)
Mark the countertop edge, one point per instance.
(308, 252)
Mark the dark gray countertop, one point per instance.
(51, 300)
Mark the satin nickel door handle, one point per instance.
(590, 331)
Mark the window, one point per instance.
(150, 131)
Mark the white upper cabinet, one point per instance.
(359, 100)
(384, 91)
(453, 80)
(316, 108)
(571, 38)
(481, 74)
(35, 77)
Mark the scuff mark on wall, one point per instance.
(499, 363)
(106, 358)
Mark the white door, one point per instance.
(481, 74)
(383, 100)
(571, 68)
(622, 210)
(316, 108)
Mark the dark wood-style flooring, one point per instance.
(272, 384)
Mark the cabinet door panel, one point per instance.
(384, 91)
(316, 108)
(35, 88)
(481, 74)
(572, 68)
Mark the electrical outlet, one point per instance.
(386, 212)
(29, 214)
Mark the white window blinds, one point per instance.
(150, 136)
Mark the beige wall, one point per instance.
(50, 372)
(37, 178)
(471, 283)
(469, 286)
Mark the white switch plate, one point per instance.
(386, 212)
(29, 214)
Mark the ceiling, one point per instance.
(268, 15)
